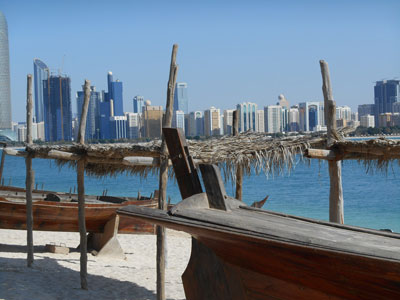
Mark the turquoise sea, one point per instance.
(370, 200)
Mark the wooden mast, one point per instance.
(335, 168)
(81, 188)
(162, 199)
(239, 169)
(30, 175)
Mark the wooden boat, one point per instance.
(63, 215)
(240, 252)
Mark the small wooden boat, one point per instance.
(240, 252)
(63, 216)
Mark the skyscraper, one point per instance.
(93, 114)
(115, 93)
(57, 108)
(41, 72)
(5, 94)
(273, 118)
(181, 97)
(138, 104)
(212, 121)
(247, 116)
(311, 116)
(386, 92)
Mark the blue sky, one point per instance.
(229, 51)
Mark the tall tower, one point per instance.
(41, 72)
(181, 97)
(386, 92)
(57, 108)
(5, 94)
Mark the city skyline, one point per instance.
(249, 52)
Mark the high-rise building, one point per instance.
(40, 72)
(260, 120)
(115, 93)
(294, 119)
(5, 93)
(343, 112)
(212, 121)
(57, 108)
(181, 99)
(386, 92)
(138, 104)
(196, 124)
(133, 125)
(367, 121)
(152, 120)
(179, 120)
(396, 107)
(311, 116)
(282, 101)
(93, 114)
(228, 121)
(366, 109)
(273, 118)
(247, 116)
(118, 127)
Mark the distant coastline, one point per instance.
(365, 137)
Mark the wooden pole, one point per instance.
(3, 157)
(162, 199)
(30, 176)
(336, 213)
(239, 169)
(81, 188)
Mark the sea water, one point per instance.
(371, 199)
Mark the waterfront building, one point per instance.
(118, 127)
(5, 91)
(133, 125)
(247, 116)
(138, 104)
(354, 116)
(212, 122)
(311, 116)
(294, 120)
(228, 121)
(273, 118)
(93, 114)
(221, 121)
(40, 131)
(57, 108)
(181, 99)
(115, 93)
(386, 93)
(367, 121)
(21, 131)
(152, 120)
(40, 73)
(178, 120)
(260, 120)
(396, 119)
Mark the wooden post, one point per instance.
(81, 188)
(239, 169)
(336, 213)
(30, 176)
(162, 200)
(3, 157)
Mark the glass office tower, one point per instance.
(5, 94)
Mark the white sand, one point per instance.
(56, 276)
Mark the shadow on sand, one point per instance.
(50, 280)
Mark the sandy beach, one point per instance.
(56, 276)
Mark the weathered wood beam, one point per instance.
(30, 175)
(81, 189)
(239, 169)
(320, 154)
(14, 152)
(336, 213)
(162, 200)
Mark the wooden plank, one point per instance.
(214, 186)
(85, 107)
(336, 213)
(187, 178)
(30, 175)
(163, 180)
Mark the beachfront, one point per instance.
(56, 276)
